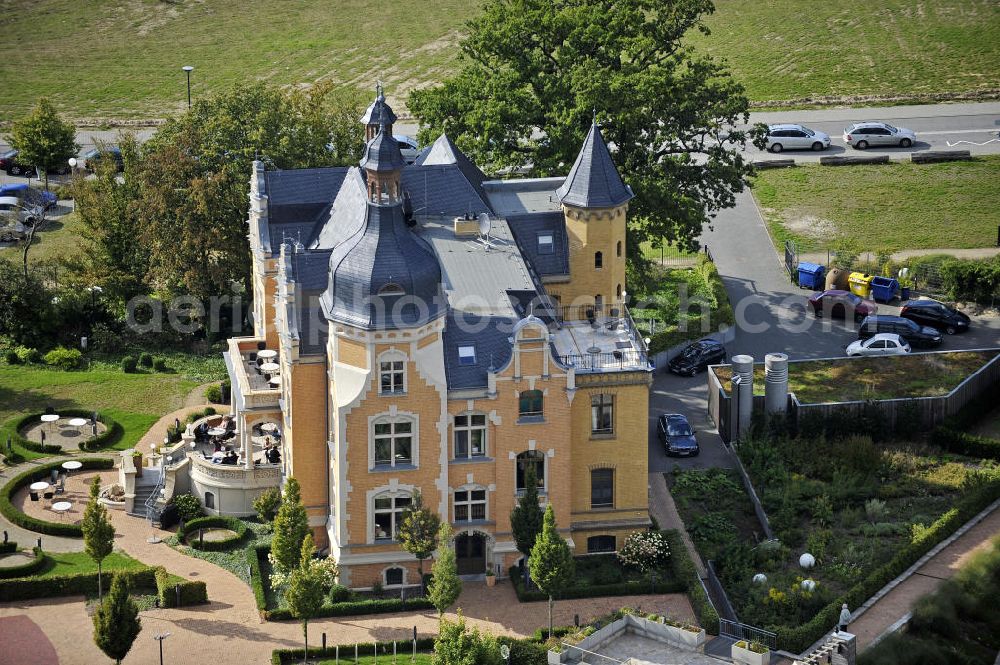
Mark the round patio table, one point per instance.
(217, 431)
(267, 354)
(40, 486)
(269, 427)
(49, 418)
(61, 507)
(72, 465)
(275, 381)
(78, 422)
(270, 367)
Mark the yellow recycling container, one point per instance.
(860, 284)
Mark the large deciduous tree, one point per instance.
(535, 72)
(418, 532)
(116, 620)
(98, 532)
(43, 139)
(551, 562)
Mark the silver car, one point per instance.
(863, 134)
(795, 137)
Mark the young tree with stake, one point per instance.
(98, 532)
(445, 587)
(551, 562)
(306, 589)
(418, 532)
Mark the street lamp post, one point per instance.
(159, 637)
(187, 70)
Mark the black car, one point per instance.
(676, 435)
(10, 164)
(697, 356)
(935, 315)
(915, 334)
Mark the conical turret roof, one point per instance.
(594, 182)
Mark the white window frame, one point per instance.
(546, 243)
(395, 513)
(397, 375)
(543, 488)
(468, 428)
(469, 503)
(385, 577)
(393, 421)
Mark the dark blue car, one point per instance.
(676, 435)
(29, 196)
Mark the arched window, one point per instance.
(394, 576)
(530, 403)
(388, 514)
(533, 459)
(598, 260)
(618, 291)
(618, 249)
(393, 441)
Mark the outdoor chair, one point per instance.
(54, 476)
(591, 317)
(33, 496)
(253, 356)
(48, 495)
(261, 346)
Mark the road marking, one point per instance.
(958, 131)
(953, 144)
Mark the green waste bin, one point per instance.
(860, 284)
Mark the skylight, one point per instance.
(545, 245)
(467, 355)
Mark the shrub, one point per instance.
(145, 359)
(267, 503)
(26, 588)
(11, 358)
(189, 534)
(191, 592)
(160, 365)
(339, 594)
(214, 393)
(128, 364)
(188, 506)
(8, 547)
(956, 441)
(41, 472)
(28, 355)
(63, 358)
(284, 656)
(687, 574)
(876, 510)
(25, 569)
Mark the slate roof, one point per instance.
(382, 153)
(379, 112)
(298, 200)
(345, 216)
(490, 335)
(594, 182)
(384, 251)
(444, 151)
(442, 189)
(527, 228)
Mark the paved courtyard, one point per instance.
(644, 651)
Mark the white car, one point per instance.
(860, 135)
(795, 137)
(882, 344)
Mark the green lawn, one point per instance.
(789, 49)
(105, 60)
(887, 377)
(897, 206)
(59, 237)
(134, 400)
(73, 563)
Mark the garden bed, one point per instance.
(864, 511)
(858, 379)
(715, 509)
(213, 533)
(602, 575)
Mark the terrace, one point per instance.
(599, 339)
(247, 362)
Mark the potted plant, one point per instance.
(751, 653)
(491, 578)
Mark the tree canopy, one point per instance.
(551, 562)
(116, 621)
(535, 72)
(43, 139)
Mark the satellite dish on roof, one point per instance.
(484, 224)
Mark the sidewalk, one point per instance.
(895, 604)
(663, 508)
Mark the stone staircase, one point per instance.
(143, 491)
(839, 649)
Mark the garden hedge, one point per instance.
(192, 593)
(799, 638)
(963, 443)
(25, 569)
(42, 472)
(594, 591)
(215, 522)
(686, 572)
(348, 608)
(111, 435)
(27, 588)
(283, 656)
(8, 547)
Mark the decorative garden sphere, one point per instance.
(760, 578)
(807, 560)
(808, 585)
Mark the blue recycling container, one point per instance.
(884, 288)
(811, 275)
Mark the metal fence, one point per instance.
(791, 261)
(717, 594)
(741, 631)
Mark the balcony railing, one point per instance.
(597, 362)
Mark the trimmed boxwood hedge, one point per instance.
(799, 638)
(192, 592)
(109, 436)
(215, 522)
(686, 572)
(284, 656)
(25, 569)
(42, 472)
(594, 591)
(348, 608)
(963, 443)
(8, 547)
(27, 588)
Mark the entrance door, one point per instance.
(470, 554)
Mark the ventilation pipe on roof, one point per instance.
(743, 368)
(776, 383)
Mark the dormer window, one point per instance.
(467, 355)
(391, 290)
(545, 244)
